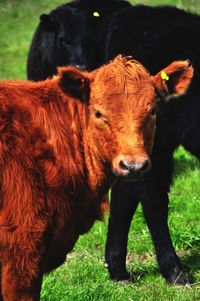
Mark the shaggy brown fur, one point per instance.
(61, 145)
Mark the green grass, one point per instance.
(83, 276)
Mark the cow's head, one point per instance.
(121, 100)
(76, 32)
(68, 32)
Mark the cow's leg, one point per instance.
(155, 208)
(22, 270)
(153, 193)
(20, 285)
(123, 206)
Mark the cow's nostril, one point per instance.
(145, 165)
(124, 165)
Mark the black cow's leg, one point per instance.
(155, 208)
(123, 206)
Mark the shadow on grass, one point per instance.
(184, 165)
(138, 273)
(191, 264)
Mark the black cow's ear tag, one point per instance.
(96, 14)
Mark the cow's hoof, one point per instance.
(177, 277)
(124, 276)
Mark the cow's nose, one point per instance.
(128, 169)
(134, 166)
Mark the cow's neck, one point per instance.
(98, 173)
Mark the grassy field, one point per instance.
(83, 276)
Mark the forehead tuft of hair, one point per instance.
(123, 74)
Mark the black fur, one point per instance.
(71, 35)
(155, 36)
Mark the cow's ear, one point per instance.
(74, 82)
(173, 80)
(47, 23)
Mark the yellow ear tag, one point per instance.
(164, 75)
(96, 14)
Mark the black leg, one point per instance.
(123, 206)
(153, 193)
(155, 208)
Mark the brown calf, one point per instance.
(62, 144)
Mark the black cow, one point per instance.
(72, 34)
(155, 36)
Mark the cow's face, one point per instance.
(78, 31)
(70, 34)
(121, 104)
(74, 41)
(123, 117)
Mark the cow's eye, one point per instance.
(98, 114)
(100, 118)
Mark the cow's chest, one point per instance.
(84, 209)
